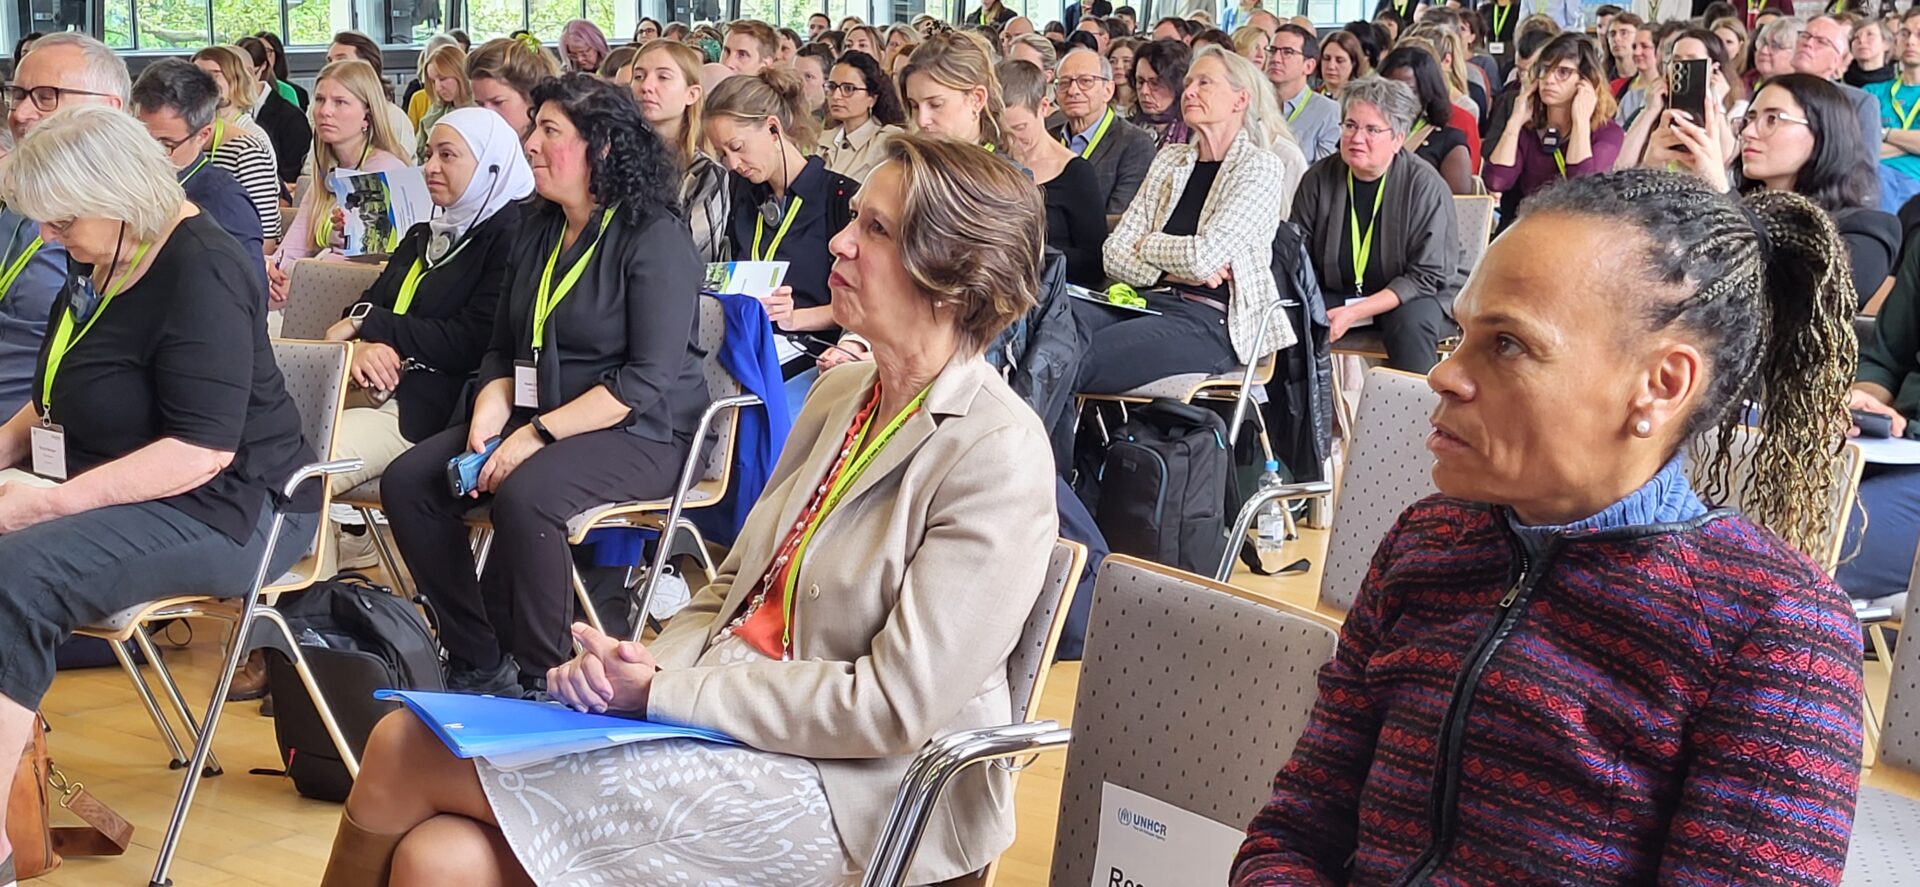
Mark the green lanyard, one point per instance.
(1500, 21)
(1099, 132)
(195, 170)
(411, 282)
(1906, 117)
(1418, 128)
(547, 297)
(984, 18)
(1305, 95)
(841, 484)
(1560, 162)
(64, 337)
(760, 227)
(1362, 249)
(219, 134)
(19, 264)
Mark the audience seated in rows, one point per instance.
(1075, 225)
(666, 83)
(864, 107)
(933, 561)
(503, 73)
(1434, 139)
(176, 102)
(238, 144)
(348, 45)
(1097, 130)
(280, 113)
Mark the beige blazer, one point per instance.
(911, 597)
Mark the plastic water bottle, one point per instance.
(1270, 525)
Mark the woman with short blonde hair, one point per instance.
(351, 132)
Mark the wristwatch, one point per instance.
(540, 428)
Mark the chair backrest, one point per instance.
(1841, 496)
(712, 337)
(1387, 469)
(1474, 216)
(1027, 667)
(1900, 732)
(315, 374)
(1191, 692)
(318, 293)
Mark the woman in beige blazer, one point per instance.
(870, 605)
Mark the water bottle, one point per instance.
(1271, 523)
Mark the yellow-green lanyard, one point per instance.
(1099, 132)
(1362, 249)
(546, 298)
(760, 228)
(839, 488)
(984, 20)
(219, 134)
(411, 282)
(1293, 115)
(1500, 21)
(19, 264)
(1753, 10)
(1906, 117)
(1560, 162)
(1417, 129)
(195, 170)
(323, 227)
(64, 337)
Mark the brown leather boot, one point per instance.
(250, 679)
(360, 858)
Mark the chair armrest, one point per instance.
(927, 777)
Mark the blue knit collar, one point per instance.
(1664, 498)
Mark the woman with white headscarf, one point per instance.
(423, 326)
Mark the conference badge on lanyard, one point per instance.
(49, 442)
(526, 384)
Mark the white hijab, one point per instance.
(501, 176)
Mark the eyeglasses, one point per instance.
(1083, 83)
(835, 87)
(1150, 83)
(1372, 132)
(46, 98)
(1559, 74)
(172, 145)
(1815, 38)
(60, 228)
(1286, 52)
(1763, 123)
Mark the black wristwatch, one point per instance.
(540, 428)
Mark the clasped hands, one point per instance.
(607, 674)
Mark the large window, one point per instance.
(161, 25)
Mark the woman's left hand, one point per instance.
(1585, 100)
(1221, 277)
(514, 450)
(1339, 320)
(23, 505)
(607, 675)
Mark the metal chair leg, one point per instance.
(172, 689)
(160, 723)
(482, 547)
(389, 558)
(272, 617)
(583, 598)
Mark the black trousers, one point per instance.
(524, 603)
(1411, 332)
(1127, 350)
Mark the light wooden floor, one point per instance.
(255, 830)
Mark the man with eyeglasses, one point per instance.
(1119, 151)
(64, 70)
(1314, 118)
(176, 101)
(1822, 51)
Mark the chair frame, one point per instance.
(1258, 373)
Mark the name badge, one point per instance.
(49, 444)
(526, 384)
(1497, 48)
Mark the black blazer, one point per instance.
(1120, 160)
(290, 133)
(629, 324)
(449, 326)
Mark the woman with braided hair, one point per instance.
(1566, 667)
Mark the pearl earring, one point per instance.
(1643, 428)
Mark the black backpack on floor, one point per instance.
(1163, 486)
(357, 637)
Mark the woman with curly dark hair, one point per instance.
(588, 393)
(865, 110)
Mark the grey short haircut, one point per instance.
(1106, 65)
(88, 161)
(181, 86)
(102, 70)
(1049, 57)
(1781, 33)
(1393, 99)
(1022, 83)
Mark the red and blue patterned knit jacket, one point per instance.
(1675, 703)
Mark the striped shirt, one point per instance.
(251, 163)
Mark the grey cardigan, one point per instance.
(1418, 237)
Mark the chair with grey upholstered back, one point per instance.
(319, 294)
(1216, 682)
(1033, 655)
(1887, 816)
(1387, 469)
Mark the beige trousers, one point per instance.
(367, 432)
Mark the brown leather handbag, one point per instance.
(38, 845)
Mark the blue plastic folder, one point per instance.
(511, 733)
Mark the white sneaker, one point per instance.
(355, 551)
(670, 595)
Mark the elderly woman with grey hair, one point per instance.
(1380, 228)
(156, 404)
(1199, 238)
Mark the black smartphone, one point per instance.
(1687, 88)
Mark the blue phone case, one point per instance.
(463, 471)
